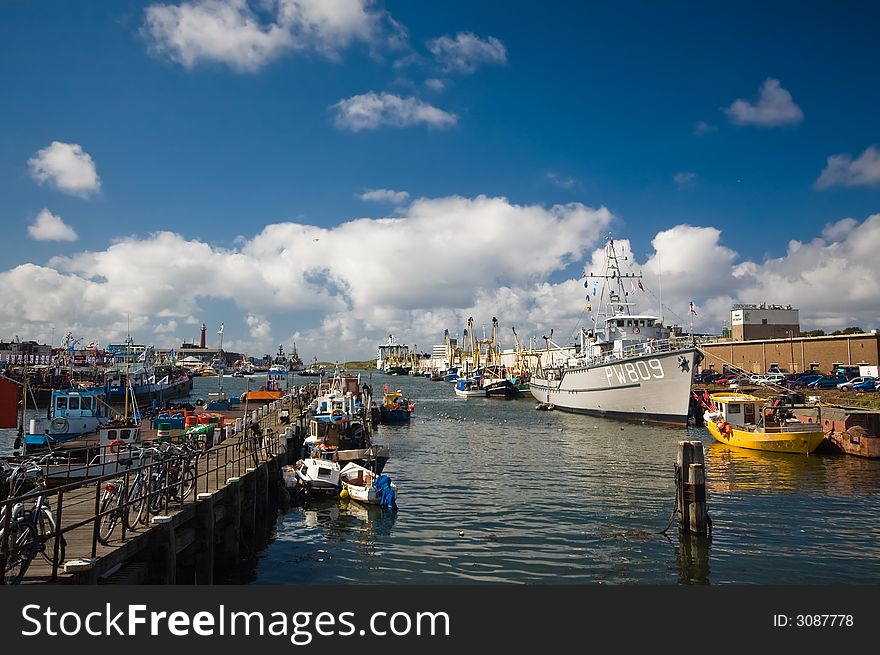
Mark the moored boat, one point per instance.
(73, 413)
(364, 486)
(469, 388)
(314, 476)
(746, 421)
(395, 408)
(633, 368)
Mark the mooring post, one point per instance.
(232, 534)
(205, 538)
(163, 528)
(248, 512)
(690, 488)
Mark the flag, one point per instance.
(640, 286)
(693, 311)
(220, 331)
(589, 307)
(586, 283)
(632, 286)
(588, 299)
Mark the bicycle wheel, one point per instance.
(138, 504)
(187, 484)
(107, 522)
(22, 549)
(46, 530)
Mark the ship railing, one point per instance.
(640, 349)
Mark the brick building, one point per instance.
(794, 354)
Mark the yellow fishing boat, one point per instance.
(746, 421)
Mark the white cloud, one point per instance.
(562, 181)
(246, 35)
(774, 108)
(385, 195)
(414, 275)
(166, 328)
(684, 179)
(260, 329)
(67, 167)
(295, 268)
(702, 128)
(372, 110)
(842, 170)
(466, 52)
(435, 84)
(49, 227)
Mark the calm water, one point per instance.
(492, 491)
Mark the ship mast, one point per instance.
(614, 300)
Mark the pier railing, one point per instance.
(76, 508)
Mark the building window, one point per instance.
(814, 366)
(763, 321)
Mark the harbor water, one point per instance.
(494, 492)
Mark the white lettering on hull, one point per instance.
(635, 372)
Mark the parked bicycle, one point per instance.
(27, 527)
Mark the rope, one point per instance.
(675, 502)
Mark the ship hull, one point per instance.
(652, 388)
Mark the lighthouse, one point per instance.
(202, 336)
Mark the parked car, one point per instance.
(771, 378)
(869, 384)
(849, 385)
(826, 382)
(804, 380)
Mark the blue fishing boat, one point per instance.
(74, 412)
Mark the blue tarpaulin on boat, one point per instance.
(386, 493)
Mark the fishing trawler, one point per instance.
(628, 366)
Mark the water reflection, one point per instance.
(693, 558)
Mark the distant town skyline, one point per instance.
(331, 173)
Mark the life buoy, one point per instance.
(114, 445)
(635, 330)
(60, 424)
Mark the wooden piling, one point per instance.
(204, 564)
(690, 488)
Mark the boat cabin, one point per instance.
(739, 409)
(76, 404)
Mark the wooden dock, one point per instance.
(205, 539)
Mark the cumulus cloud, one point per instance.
(372, 110)
(684, 179)
(260, 329)
(292, 267)
(466, 52)
(245, 35)
(385, 195)
(67, 167)
(360, 281)
(49, 227)
(842, 170)
(166, 328)
(774, 107)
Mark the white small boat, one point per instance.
(316, 476)
(469, 387)
(360, 483)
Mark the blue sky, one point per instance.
(158, 132)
